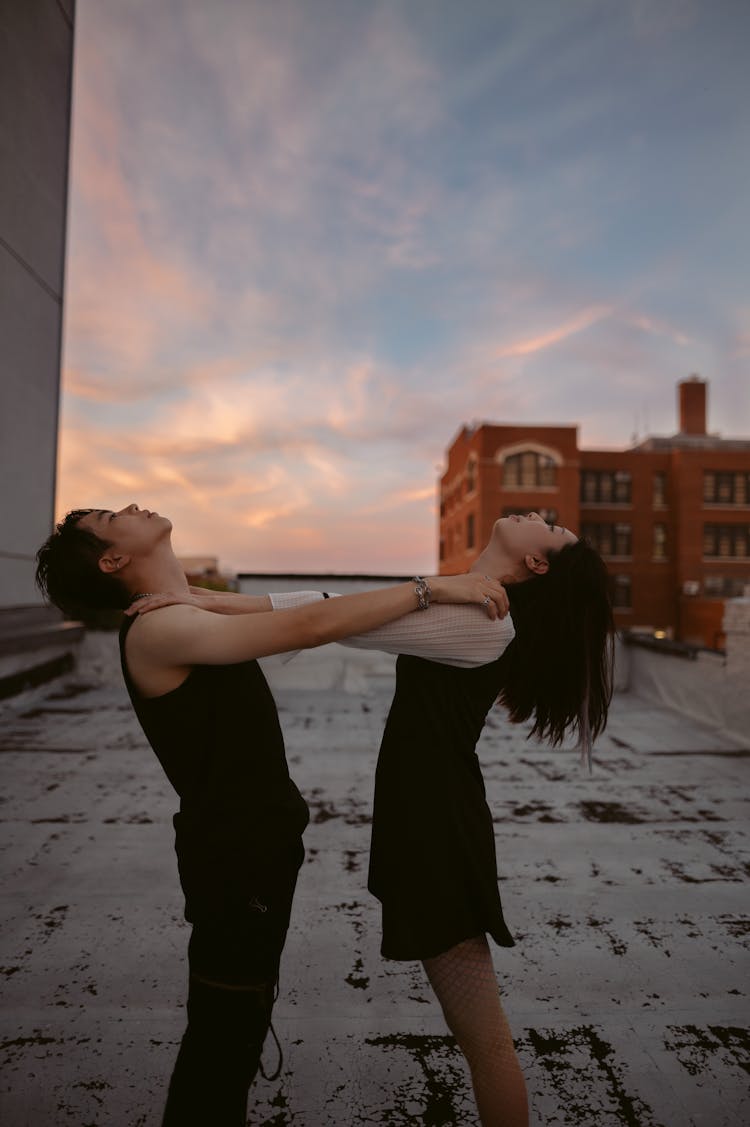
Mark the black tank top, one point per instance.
(218, 738)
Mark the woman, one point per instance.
(432, 862)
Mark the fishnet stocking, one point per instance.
(464, 980)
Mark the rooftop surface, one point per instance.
(626, 892)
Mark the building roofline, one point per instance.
(300, 575)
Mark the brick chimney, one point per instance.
(692, 401)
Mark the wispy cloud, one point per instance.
(576, 324)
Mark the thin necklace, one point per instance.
(145, 595)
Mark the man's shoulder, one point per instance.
(177, 620)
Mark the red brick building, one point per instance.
(671, 516)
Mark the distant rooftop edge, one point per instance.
(319, 575)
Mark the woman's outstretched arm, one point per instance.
(449, 634)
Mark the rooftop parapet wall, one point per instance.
(737, 630)
(711, 688)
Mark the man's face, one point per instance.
(531, 536)
(130, 532)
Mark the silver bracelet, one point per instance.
(422, 591)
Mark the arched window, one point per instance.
(527, 469)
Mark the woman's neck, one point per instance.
(495, 562)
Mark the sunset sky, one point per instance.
(309, 239)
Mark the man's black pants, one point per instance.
(234, 965)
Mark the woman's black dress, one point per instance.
(432, 860)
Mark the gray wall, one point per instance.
(264, 584)
(36, 56)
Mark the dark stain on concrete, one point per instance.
(548, 771)
(325, 811)
(643, 927)
(696, 1047)
(70, 691)
(542, 810)
(354, 911)
(556, 1052)
(22, 1044)
(355, 978)
(737, 926)
(351, 861)
(560, 923)
(609, 812)
(430, 1053)
(739, 753)
(617, 945)
(677, 870)
(41, 710)
(65, 818)
(132, 820)
(9, 746)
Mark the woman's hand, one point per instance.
(471, 588)
(218, 602)
(168, 599)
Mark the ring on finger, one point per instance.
(486, 601)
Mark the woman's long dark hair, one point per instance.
(560, 663)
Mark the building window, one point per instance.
(470, 531)
(621, 592)
(442, 549)
(659, 546)
(609, 539)
(725, 488)
(528, 470)
(660, 490)
(471, 474)
(548, 515)
(728, 541)
(605, 487)
(623, 546)
(724, 586)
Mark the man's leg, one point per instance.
(234, 965)
(219, 1054)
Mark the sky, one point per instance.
(309, 239)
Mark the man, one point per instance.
(208, 713)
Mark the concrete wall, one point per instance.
(709, 688)
(342, 584)
(36, 54)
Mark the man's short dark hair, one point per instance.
(68, 572)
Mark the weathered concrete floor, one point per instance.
(627, 893)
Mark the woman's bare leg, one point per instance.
(464, 980)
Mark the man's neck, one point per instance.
(159, 574)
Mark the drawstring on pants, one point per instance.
(275, 1075)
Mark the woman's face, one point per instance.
(530, 536)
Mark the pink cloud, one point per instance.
(583, 320)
